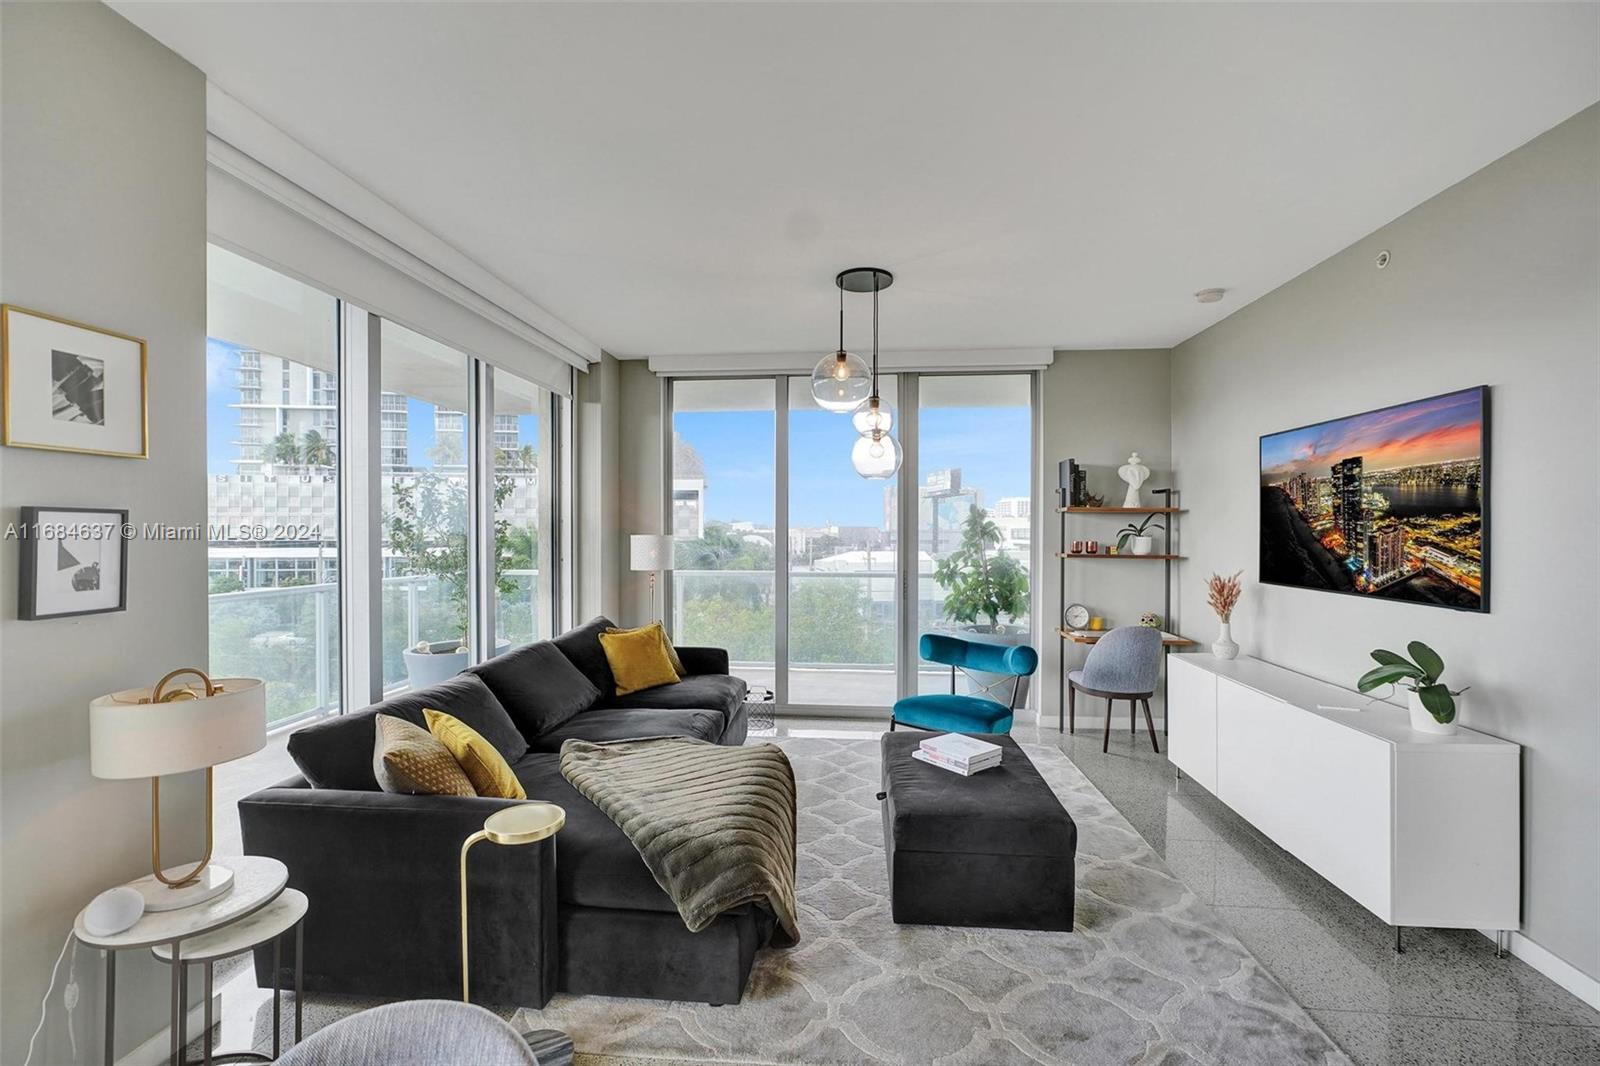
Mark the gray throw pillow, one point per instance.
(539, 687)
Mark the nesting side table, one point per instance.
(271, 922)
(257, 881)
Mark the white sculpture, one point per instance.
(1135, 474)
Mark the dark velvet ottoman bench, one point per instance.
(995, 849)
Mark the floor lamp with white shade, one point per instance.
(650, 552)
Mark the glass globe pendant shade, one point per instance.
(875, 413)
(876, 455)
(840, 382)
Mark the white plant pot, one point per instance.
(1224, 647)
(442, 663)
(1142, 545)
(1424, 722)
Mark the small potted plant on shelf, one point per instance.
(1223, 595)
(1135, 537)
(1432, 705)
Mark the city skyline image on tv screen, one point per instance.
(1390, 504)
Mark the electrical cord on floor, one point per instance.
(44, 1004)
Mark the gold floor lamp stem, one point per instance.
(466, 847)
(155, 836)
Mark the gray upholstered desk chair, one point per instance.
(1125, 664)
(428, 1032)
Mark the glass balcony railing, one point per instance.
(289, 637)
(841, 632)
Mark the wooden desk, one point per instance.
(1090, 636)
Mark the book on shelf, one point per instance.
(954, 768)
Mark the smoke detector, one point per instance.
(1209, 296)
(1383, 259)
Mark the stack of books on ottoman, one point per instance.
(958, 753)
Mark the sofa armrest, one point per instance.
(703, 660)
(382, 873)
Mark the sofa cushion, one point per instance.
(337, 753)
(582, 647)
(633, 723)
(485, 767)
(710, 692)
(412, 761)
(538, 686)
(597, 866)
(638, 658)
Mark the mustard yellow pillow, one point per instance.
(639, 658)
(485, 767)
(672, 653)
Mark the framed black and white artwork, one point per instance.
(71, 387)
(74, 561)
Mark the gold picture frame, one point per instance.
(66, 387)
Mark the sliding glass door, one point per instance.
(722, 501)
(797, 565)
(843, 563)
(974, 509)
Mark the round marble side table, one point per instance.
(257, 881)
(269, 923)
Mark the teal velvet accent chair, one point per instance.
(954, 712)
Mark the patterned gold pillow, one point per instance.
(487, 769)
(408, 759)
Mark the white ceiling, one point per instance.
(686, 179)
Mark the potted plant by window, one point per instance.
(1134, 537)
(427, 530)
(1431, 704)
(983, 583)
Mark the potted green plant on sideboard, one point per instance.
(1432, 704)
(981, 585)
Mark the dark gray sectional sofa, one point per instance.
(381, 870)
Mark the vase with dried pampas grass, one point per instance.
(1223, 595)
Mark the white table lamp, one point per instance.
(652, 552)
(172, 729)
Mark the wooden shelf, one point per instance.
(1120, 510)
(1171, 640)
(1103, 555)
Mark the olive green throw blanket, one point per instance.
(715, 825)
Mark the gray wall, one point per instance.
(640, 505)
(1097, 407)
(103, 221)
(597, 442)
(1493, 282)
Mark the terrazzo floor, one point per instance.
(1446, 1000)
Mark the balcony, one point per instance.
(289, 636)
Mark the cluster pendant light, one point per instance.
(836, 385)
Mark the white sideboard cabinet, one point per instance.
(1422, 830)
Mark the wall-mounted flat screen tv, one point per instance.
(1392, 504)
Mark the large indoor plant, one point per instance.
(1432, 704)
(427, 529)
(981, 585)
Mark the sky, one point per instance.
(1426, 431)
(990, 444)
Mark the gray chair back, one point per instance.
(419, 1032)
(1127, 659)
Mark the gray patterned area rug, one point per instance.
(1150, 976)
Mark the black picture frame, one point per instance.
(29, 542)
(1484, 509)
